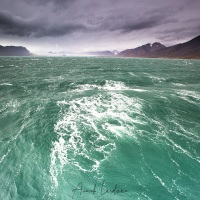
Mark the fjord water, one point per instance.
(99, 128)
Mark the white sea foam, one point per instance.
(87, 128)
(190, 96)
(187, 93)
(3, 157)
(180, 149)
(187, 62)
(155, 78)
(158, 177)
(146, 196)
(9, 84)
(178, 84)
(187, 134)
(132, 74)
(11, 106)
(179, 188)
(109, 86)
(139, 90)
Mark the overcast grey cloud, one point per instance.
(133, 23)
(58, 4)
(13, 25)
(86, 25)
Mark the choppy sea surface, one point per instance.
(99, 128)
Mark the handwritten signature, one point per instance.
(79, 190)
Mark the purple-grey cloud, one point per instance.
(99, 22)
(13, 25)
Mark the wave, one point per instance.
(6, 84)
(157, 79)
(87, 130)
(178, 84)
(108, 86)
(190, 96)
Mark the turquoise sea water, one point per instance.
(99, 128)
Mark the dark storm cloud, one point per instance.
(60, 30)
(14, 25)
(149, 23)
(128, 22)
(56, 3)
(129, 25)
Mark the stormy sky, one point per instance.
(65, 26)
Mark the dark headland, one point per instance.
(14, 51)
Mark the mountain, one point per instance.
(142, 51)
(157, 46)
(14, 51)
(187, 50)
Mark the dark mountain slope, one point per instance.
(187, 50)
(142, 51)
(14, 51)
(190, 49)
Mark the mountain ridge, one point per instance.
(186, 50)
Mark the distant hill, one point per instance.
(101, 53)
(187, 50)
(14, 51)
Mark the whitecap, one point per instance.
(186, 95)
(109, 86)
(178, 84)
(3, 157)
(157, 79)
(139, 90)
(6, 84)
(132, 74)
